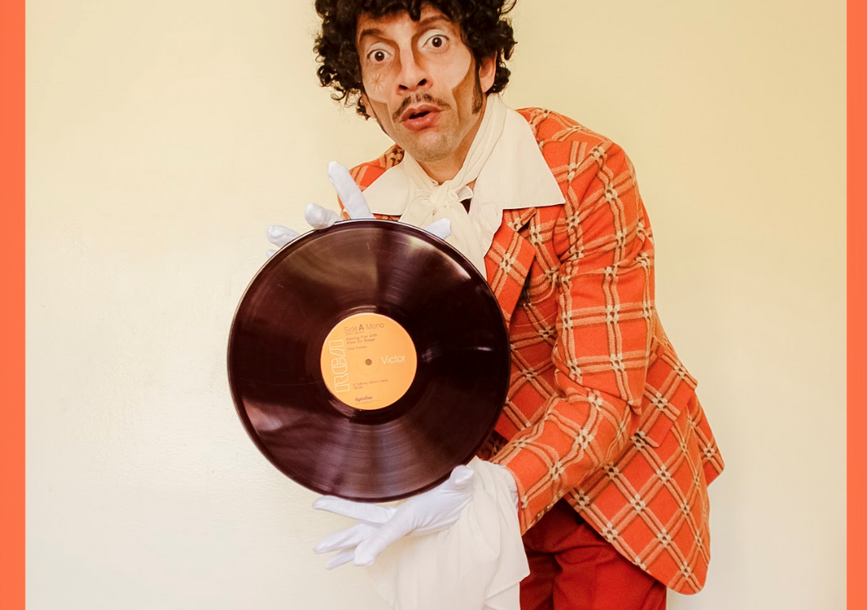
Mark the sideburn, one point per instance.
(477, 94)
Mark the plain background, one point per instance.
(164, 136)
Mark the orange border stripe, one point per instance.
(12, 303)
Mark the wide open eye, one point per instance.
(377, 56)
(437, 42)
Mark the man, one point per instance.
(602, 435)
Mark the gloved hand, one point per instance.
(379, 526)
(354, 203)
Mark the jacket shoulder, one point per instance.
(554, 131)
(365, 173)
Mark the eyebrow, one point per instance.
(424, 23)
(369, 32)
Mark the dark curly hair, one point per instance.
(484, 29)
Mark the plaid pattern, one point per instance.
(600, 410)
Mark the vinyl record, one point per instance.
(369, 359)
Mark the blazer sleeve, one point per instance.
(604, 323)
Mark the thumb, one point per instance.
(442, 228)
(461, 477)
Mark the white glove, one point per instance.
(379, 526)
(354, 203)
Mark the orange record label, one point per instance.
(368, 361)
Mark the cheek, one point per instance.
(455, 71)
(463, 92)
(374, 86)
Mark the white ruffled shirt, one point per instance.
(514, 176)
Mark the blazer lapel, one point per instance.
(508, 261)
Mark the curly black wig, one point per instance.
(484, 28)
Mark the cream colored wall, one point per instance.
(163, 136)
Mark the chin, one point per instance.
(435, 149)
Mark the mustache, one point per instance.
(417, 99)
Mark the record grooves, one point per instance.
(368, 359)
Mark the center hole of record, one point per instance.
(368, 361)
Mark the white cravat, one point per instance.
(432, 201)
(510, 173)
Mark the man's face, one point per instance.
(422, 84)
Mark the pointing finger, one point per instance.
(366, 513)
(348, 191)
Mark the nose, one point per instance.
(413, 74)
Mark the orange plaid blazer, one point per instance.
(600, 410)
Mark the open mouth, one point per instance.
(419, 112)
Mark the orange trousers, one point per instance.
(574, 568)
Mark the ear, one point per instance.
(487, 72)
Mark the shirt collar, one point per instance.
(515, 176)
